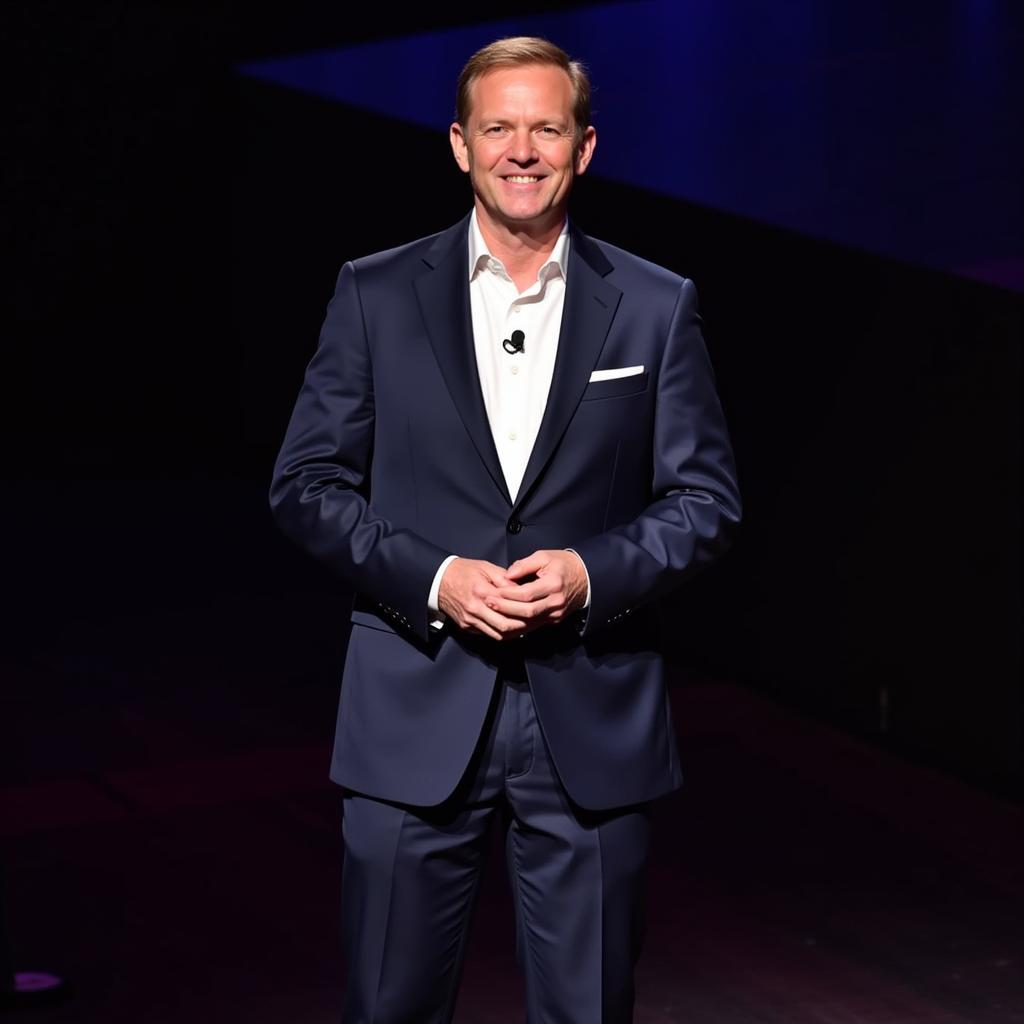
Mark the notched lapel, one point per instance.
(443, 294)
(587, 314)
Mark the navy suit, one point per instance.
(388, 466)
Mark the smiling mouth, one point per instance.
(522, 179)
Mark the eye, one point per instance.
(495, 130)
(550, 131)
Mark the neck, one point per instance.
(522, 250)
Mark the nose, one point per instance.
(521, 149)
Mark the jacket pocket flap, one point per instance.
(362, 618)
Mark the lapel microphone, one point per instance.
(517, 343)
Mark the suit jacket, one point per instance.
(388, 466)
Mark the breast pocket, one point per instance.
(619, 387)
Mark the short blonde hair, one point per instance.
(519, 51)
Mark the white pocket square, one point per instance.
(625, 371)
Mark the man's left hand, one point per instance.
(556, 587)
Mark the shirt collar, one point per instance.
(479, 254)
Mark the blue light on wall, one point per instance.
(883, 127)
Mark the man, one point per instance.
(509, 443)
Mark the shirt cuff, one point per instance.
(438, 617)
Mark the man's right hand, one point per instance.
(466, 585)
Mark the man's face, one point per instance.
(518, 146)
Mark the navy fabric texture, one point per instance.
(388, 466)
(411, 876)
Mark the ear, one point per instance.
(586, 149)
(460, 147)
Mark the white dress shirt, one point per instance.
(514, 386)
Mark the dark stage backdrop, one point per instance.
(177, 229)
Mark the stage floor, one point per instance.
(171, 844)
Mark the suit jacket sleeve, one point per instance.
(696, 503)
(320, 488)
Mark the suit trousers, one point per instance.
(411, 875)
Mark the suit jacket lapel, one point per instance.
(444, 301)
(590, 305)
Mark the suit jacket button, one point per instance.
(514, 526)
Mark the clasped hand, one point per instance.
(539, 590)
